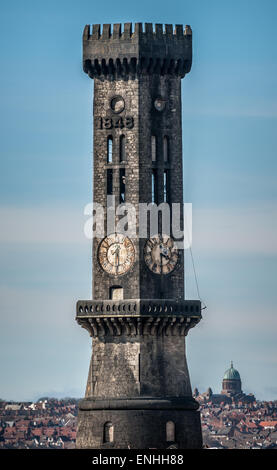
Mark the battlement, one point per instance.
(149, 30)
(128, 51)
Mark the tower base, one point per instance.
(139, 423)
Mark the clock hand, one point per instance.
(116, 250)
(117, 257)
(161, 264)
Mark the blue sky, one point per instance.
(229, 151)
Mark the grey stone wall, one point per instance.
(104, 91)
(160, 124)
(139, 95)
(139, 429)
(152, 366)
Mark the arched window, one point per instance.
(154, 186)
(108, 432)
(122, 184)
(166, 185)
(109, 181)
(165, 149)
(153, 148)
(170, 431)
(122, 152)
(110, 149)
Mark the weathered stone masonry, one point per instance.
(138, 383)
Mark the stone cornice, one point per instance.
(133, 317)
(137, 403)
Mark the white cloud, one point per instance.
(248, 111)
(36, 309)
(42, 348)
(235, 231)
(42, 225)
(234, 318)
(232, 230)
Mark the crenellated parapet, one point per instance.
(128, 52)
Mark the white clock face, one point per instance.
(161, 254)
(116, 254)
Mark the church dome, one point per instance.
(231, 374)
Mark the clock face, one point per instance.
(161, 254)
(116, 254)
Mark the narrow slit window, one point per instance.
(122, 150)
(170, 431)
(154, 186)
(153, 148)
(110, 149)
(108, 432)
(166, 186)
(109, 182)
(122, 184)
(165, 149)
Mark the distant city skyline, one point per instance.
(229, 153)
(53, 424)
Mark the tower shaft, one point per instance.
(138, 392)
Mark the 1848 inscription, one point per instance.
(114, 122)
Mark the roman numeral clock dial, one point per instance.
(161, 254)
(116, 254)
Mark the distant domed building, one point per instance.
(231, 390)
(231, 381)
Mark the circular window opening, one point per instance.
(159, 104)
(117, 104)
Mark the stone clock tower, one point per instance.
(138, 392)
